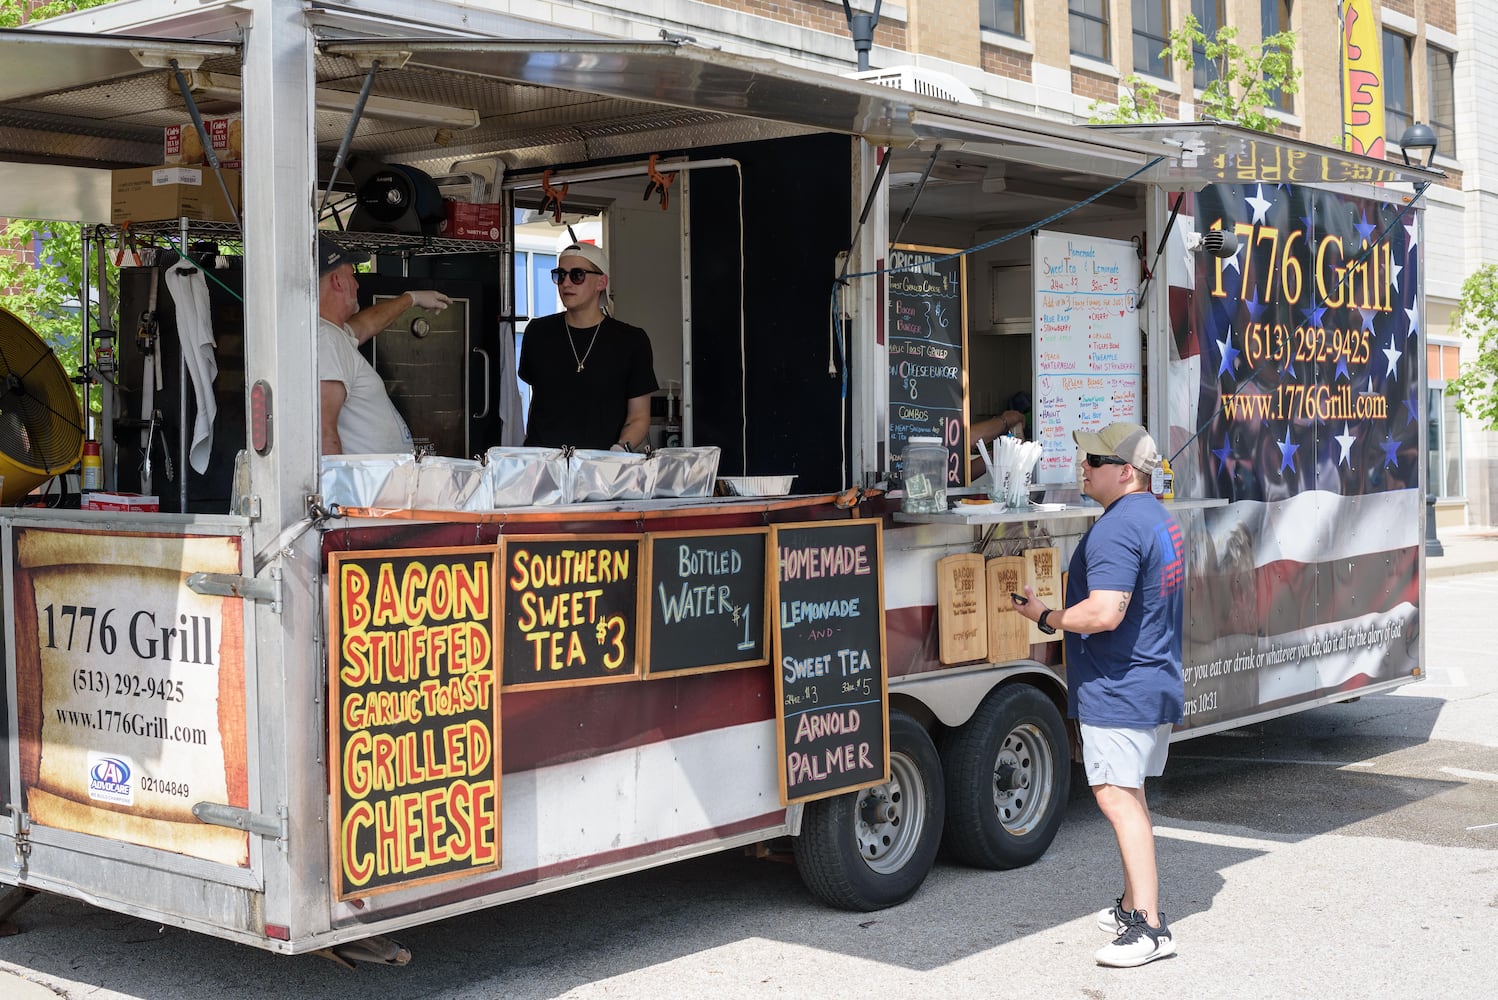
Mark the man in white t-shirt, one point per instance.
(357, 415)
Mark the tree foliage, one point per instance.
(47, 295)
(1476, 318)
(1244, 87)
(14, 12)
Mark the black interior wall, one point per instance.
(211, 491)
(796, 220)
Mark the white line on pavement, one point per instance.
(1458, 772)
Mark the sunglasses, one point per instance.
(1098, 461)
(577, 275)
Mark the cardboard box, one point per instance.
(120, 501)
(466, 221)
(155, 194)
(182, 146)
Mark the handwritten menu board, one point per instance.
(830, 680)
(414, 717)
(1088, 368)
(569, 608)
(707, 601)
(927, 343)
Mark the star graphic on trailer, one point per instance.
(1393, 354)
(1369, 315)
(1314, 315)
(1391, 451)
(1254, 306)
(1414, 233)
(1342, 368)
(1229, 354)
(1346, 440)
(1287, 452)
(1224, 453)
(1414, 318)
(1259, 203)
(1365, 228)
(1394, 270)
(1412, 405)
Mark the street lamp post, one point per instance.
(1418, 147)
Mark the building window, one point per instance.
(1210, 14)
(1274, 17)
(1004, 16)
(1151, 31)
(1089, 29)
(1444, 441)
(535, 295)
(1397, 89)
(1442, 67)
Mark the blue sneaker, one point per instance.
(1139, 943)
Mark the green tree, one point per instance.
(1245, 85)
(15, 12)
(1476, 318)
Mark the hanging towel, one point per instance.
(512, 432)
(195, 329)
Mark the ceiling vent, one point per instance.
(919, 80)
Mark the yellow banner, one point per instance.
(1362, 80)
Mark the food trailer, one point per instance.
(302, 702)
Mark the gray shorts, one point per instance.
(1124, 757)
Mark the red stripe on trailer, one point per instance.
(604, 718)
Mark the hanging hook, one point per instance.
(553, 196)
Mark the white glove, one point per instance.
(425, 298)
(618, 446)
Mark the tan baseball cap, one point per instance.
(1124, 440)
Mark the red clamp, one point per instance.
(659, 183)
(553, 197)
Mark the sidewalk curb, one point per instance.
(14, 987)
(1437, 566)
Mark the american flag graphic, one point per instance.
(1296, 395)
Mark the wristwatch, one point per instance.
(1047, 629)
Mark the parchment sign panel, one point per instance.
(415, 717)
(707, 601)
(570, 609)
(130, 688)
(1089, 370)
(830, 678)
(927, 341)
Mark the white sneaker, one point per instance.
(1114, 920)
(1139, 943)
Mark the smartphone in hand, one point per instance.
(1019, 598)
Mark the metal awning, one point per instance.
(698, 79)
(1211, 153)
(38, 63)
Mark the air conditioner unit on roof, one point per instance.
(919, 80)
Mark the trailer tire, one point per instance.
(873, 848)
(1008, 774)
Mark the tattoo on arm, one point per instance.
(1123, 603)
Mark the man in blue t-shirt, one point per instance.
(1123, 665)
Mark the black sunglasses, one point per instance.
(577, 274)
(1098, 461)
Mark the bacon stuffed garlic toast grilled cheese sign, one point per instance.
(830, 677)
(415, 717)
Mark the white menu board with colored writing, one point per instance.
(1088, 368)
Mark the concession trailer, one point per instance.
(303, 701)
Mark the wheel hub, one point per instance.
(890, 822)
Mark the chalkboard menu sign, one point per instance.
(927, 341)
(414, 717)
(707, 596)
(1089, 369)
(830, 680)
(569, 608)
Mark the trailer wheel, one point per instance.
(873, 848)
(1008, 775)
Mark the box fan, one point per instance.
(41, 423)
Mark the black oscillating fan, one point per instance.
(41, 423)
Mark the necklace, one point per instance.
(581, 361)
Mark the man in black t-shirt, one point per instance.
(590, 375)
